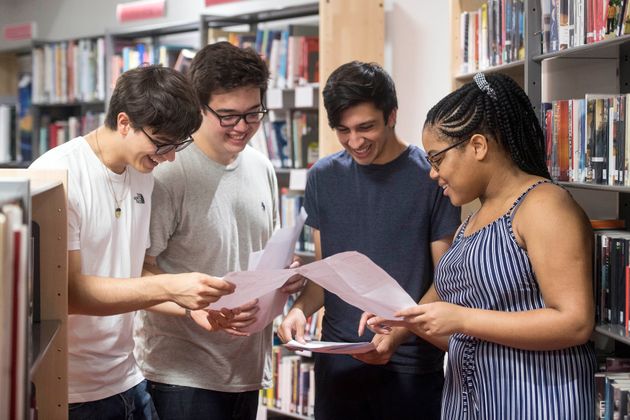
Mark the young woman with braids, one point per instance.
(515, 307)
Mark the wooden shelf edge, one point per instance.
(39, 186)
(42, 335)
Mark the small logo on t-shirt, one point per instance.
(262, 204)
(139, 198)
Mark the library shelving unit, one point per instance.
(601, 67)
(42, 197)
(68, 92)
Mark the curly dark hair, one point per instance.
(222, 67)
(157, 97)
(502, 111)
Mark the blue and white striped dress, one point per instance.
(484, 380)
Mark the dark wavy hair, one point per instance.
(355, 83)
(222, 67)
(502, 111)
(157, 97)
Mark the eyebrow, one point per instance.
(359, 124)
(251, 108)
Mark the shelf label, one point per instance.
(138, 10)
(297, 179)
(19, 31)
(274, 99)
(304, 97)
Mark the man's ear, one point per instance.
(123, 124)
(479, 143)
(391, 120)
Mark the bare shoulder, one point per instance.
(550, 210)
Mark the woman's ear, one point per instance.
(479, 143)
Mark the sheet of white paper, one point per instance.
(360, 282)
(350, 275)
(277, 254)
(331, 347)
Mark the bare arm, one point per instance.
(558, 239)
(102, 296)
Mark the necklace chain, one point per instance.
(117, 209)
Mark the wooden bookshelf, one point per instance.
(48, 353)
(348, 30)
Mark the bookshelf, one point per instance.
(150, 44)
(471, 24)
(589, 63)
(42, 195)
(68, 90)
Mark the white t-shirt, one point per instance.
(100, 348)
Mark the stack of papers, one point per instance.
(331, 347)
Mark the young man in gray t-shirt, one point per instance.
(211, 208)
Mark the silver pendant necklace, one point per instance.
(117, 209)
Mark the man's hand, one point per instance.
(294, 323)
(385, 347)
(297, 282)
(211, 320)
(196, 290)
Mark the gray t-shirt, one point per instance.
(207, 217)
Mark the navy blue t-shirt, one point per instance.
(391, 213)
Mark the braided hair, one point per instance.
(495, 106)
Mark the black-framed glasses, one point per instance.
(231, 120)
(163, 149)
(435, 160)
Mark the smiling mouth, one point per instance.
(362, 151)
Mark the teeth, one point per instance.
(444, 186)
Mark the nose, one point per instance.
(241, 125)
(355, 141)
(433, 173)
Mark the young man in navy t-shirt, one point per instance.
(374, 197)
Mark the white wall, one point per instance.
(417, 55)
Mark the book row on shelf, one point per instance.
(293, 389)
(571, 23)
(69, 71)
(293, 375)
(291, 203)
(588, 139)
(612, 386)
(492, 35)
(292, 53)
(612, 278)
(289, 139)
